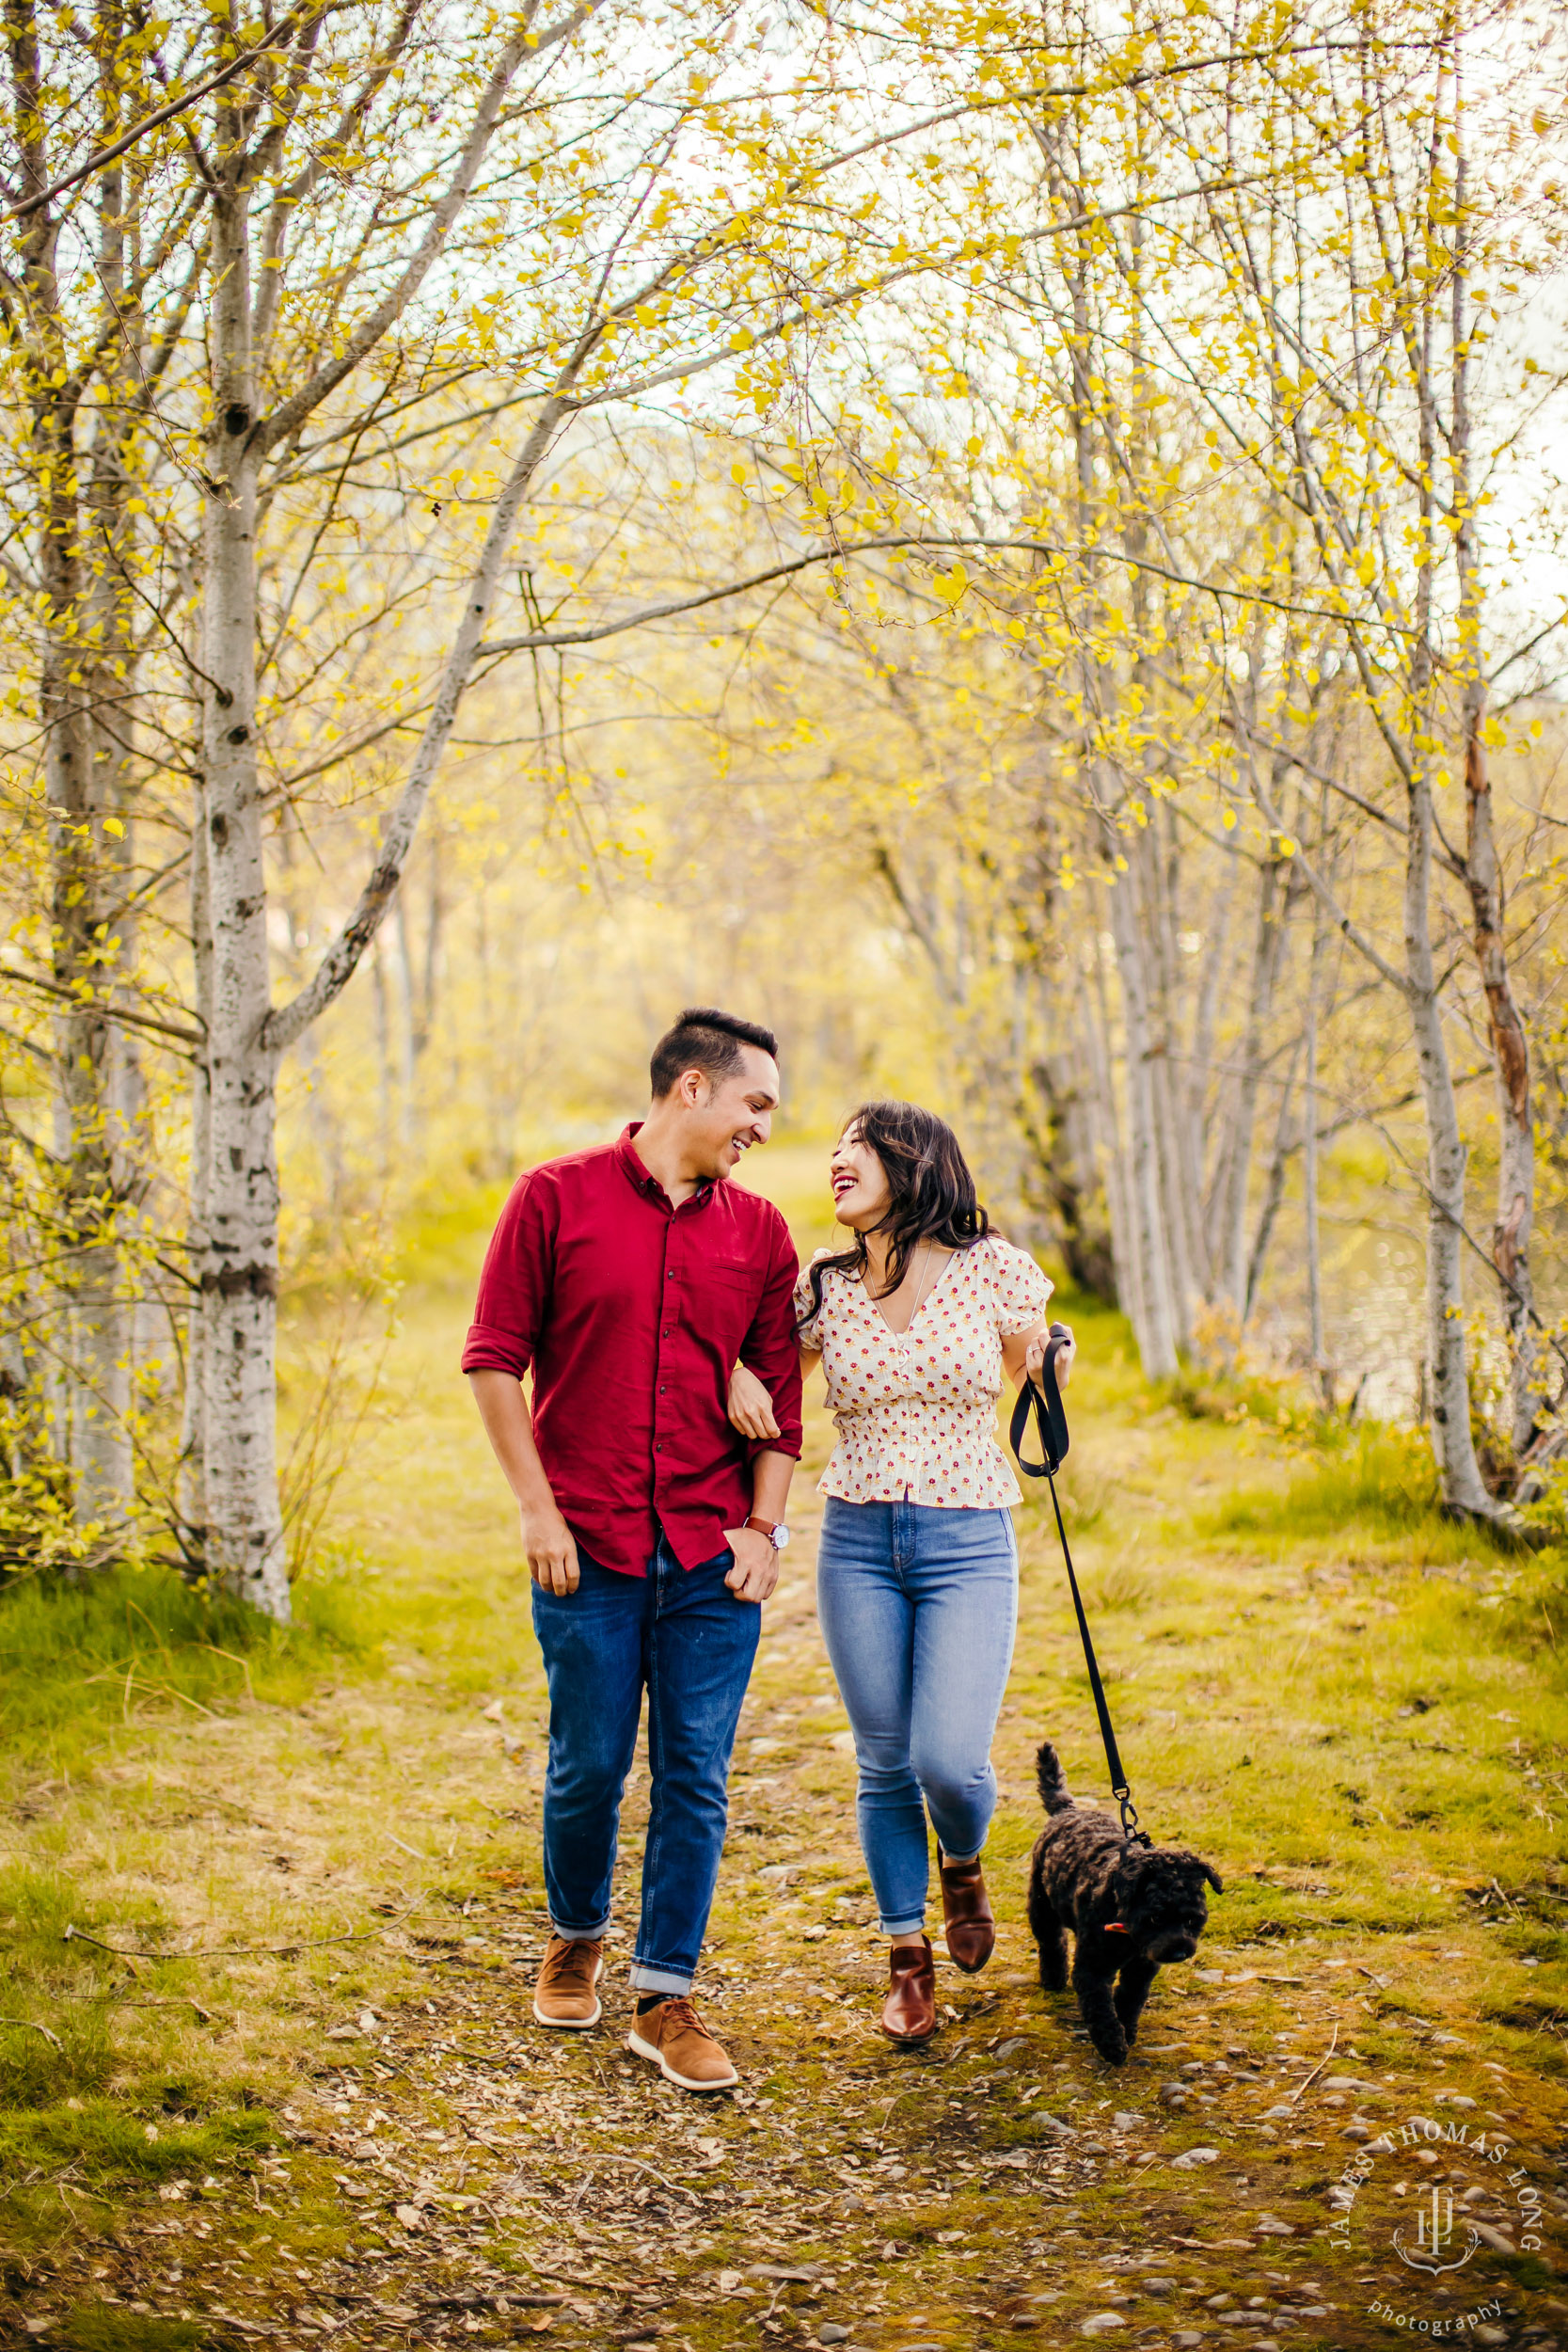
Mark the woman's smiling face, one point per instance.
(862, 1195)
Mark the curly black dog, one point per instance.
(1131, 1908)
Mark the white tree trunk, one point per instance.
(1447, 1382)
(1231, 1251)
(1316, 1344)
(192, 1492)
(1109, 1153)
(1483, 875)
(1157, 1334)
(239, 1243)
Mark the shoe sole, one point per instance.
(568, 2024)
(572, 2025)
(908, 2040)
(656, 2058)
(969, 1967)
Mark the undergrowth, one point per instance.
(1382, 1476)
(73, 1656)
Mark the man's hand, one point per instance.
(552, 1552)
(751, 1406)
(1034, 1357)
(756, 1564)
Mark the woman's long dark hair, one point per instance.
(932, 1192)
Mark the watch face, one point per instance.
(781, 1538)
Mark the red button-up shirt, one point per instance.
(631, 1314)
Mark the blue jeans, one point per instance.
(682, 1634)
(918, 1608)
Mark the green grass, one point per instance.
(75, 1656)
(90, 2328)
(1356, 1708)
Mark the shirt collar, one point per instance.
(648, 1186)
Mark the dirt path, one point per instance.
(367, 2139)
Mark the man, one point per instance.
(629, 1279)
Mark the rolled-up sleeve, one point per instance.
(770, 1349)
(514, 1284)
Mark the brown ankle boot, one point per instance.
(966, 1908)
(910, 2012)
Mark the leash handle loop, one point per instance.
(1044, 1400)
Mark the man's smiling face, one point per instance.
(727, 1116)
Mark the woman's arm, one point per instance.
(1023, 1353)
(749, 1405)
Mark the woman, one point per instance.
(917, 1568)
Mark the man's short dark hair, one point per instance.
(707, 1039)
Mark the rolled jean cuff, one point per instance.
(580, 1936)
(646, 1980)
(904, 1927)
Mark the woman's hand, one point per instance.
(751, 1405)
(1034, 1357)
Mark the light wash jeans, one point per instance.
(918, 1608)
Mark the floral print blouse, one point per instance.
(915, 1410)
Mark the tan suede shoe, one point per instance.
(564, 1994)
(674, 2038)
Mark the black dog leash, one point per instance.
(1044, 1400)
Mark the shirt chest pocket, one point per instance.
(721, 1296)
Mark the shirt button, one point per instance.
(670, 1275)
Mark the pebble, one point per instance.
(1100, 2323)
(831, 2332)
(1192, 2157)
(1123, 2122)
(1186, 2338)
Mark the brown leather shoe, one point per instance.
(564, 1994)
(910, 2012)
(966, 1908)
(680, 2046)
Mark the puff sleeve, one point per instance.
(807, 1325)
(1018, 1289)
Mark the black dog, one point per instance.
(1131, 1908)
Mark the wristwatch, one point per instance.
(775, 1531)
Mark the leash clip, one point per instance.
(1131, 1834)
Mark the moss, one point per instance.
(107, 2327)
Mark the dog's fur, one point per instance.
(1132, 1908)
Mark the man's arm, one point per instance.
(771, 1352)
(552, 1552)
(756, 1564)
